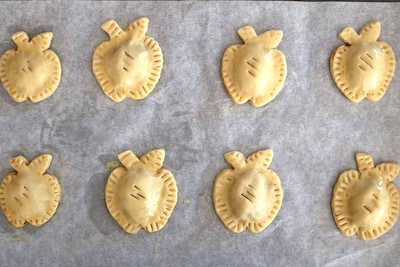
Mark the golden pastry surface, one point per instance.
(130, 63)
(256, 70)
(249, 195)
(142, 194)
(31, 71)
(364, 67)
(364, 201)
(30, 195)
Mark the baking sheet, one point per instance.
(312, 128)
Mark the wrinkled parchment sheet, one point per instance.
(312, 128)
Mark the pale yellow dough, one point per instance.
(130, 64)
(30, 195)
(142, 194)
(364, 67)
(254, 71)
(30, 71)
(365, 202)
(249, 195)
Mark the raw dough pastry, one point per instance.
(365, 202)
(130, 64)
(363, 67)
(142, 194)
(30, 195)
(30, 71)
(256, 70)
(250, 195)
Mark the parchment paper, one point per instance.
(312, 128)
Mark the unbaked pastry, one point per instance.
(365, 202)
(130, 64)
(363, 67)
(249, 195)
(142, 194)
(30, 71)
(254, 71)
(30, 195)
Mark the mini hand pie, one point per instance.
(256, 70)
(30, 71)
(365, 202)
(363, 67)
(250, 195)
(30, 195)
(142, 194)
(130, 64)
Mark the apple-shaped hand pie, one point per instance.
(30, 71)
(256, 70)
(142, 194)
(249, 195)
(365, 202)
(29, 195)
(130, 63)
(364, 66)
